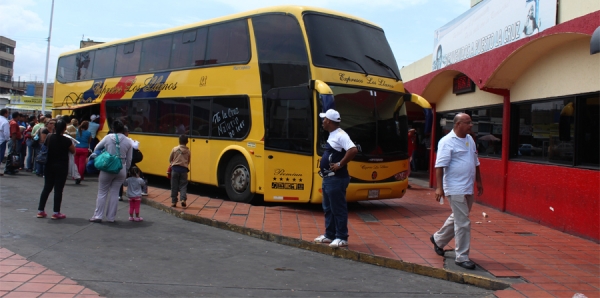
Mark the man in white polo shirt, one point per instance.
(339, 151)
(457, 169)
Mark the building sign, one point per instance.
(462, 84)
(489, 25)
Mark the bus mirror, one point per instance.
(419, 100)
(322, 87)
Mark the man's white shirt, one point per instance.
(4, 129)
(458, 157)
(339, 139)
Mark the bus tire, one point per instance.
(237, 180)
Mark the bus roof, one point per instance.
(291, 9)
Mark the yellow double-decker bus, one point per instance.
(247, 90)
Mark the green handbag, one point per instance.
(107, 162)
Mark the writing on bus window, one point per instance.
(228, 124)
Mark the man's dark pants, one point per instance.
(335, 207)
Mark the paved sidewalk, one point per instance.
(20, 278)
(395, 233)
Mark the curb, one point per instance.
(459, 277)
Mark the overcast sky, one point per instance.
(409, 24)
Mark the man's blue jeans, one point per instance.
(30, 152)
(2, 150)
(335, 207)
(39, 168)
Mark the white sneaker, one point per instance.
(339, 243)
(322, 239)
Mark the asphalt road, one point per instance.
(165, 256)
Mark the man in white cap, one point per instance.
(93, 129)
(339, 151)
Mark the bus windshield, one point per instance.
(374, 119)
(344, 44)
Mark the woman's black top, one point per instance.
(58, 150)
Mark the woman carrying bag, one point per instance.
(55, 171)
(82, 149)
(108, 183)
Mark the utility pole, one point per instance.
(47, 61)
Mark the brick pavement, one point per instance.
(393, 233)
(551, 263)
(20, 278)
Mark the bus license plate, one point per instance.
(373, 193)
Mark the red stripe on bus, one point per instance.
(120, 89)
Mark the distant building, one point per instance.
(7, 60)
(32, 88)
(88, 43)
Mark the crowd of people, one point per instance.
(22, 138)
(65, 147)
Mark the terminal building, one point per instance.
(526, 74)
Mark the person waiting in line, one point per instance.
(339, 151)
(84, 137)
(109, 184)
(72, 128)
(14, 144)
(28, 145)
(23, 125)
(4, 134)
(57, 165)
(45, 131)
(180, 159)
(456, 171)
(93, 129)
(136, 156)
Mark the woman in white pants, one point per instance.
(109, 184)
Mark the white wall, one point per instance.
(569, 69)
(450, 101)
(572, 9)
(416, 69)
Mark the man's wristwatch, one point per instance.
(339, 165)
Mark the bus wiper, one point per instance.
(385, 65)
(346, 59)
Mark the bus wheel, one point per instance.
(237, 180)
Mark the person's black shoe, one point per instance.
(466, 264)
(77, 181)
(438, 250)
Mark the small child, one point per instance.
(134, 191)
(179, 159)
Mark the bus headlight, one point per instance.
(401, 176)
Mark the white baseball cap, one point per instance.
(332, 115)
(93, 117)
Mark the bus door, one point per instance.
(289, 135)
(199, 143)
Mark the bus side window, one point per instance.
(155, 53)
(228, 43)
(128, 58)
(104, 62)
(189, 48)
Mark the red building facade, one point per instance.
(536, 107)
